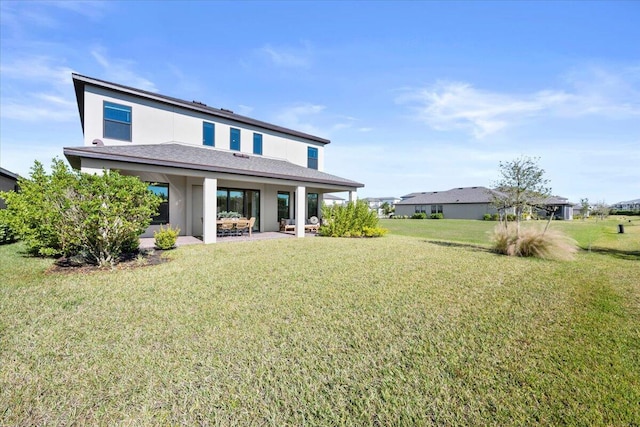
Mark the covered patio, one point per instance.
(199, 183)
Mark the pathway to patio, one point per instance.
(148, 242)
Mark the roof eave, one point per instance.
(74, 156)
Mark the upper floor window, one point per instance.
(235, 139)
(257, 143)
(208, 134)
(117, 121)
(312, 158)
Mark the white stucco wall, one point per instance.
(153, 122)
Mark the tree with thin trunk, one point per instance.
(584, 208)
(601, 209)
(522, 186)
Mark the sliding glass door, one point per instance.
(245, 202)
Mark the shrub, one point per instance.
(165, 238)
(419, 215)
(486, 217)
(68, 213)
(374, 231)
(350, 220)
(6, 233)
(36, 212)
(438, 215)
(533, 242)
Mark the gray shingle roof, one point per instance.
(80, 81)
(464, 195)
(205, 159)
(455, 195)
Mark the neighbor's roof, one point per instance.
(455, 195)
(80, 81)
(205, 159)
(464, 195)
(328, 196)
(9, 174)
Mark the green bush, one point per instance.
(166, 237)
(486, 217)
(350, 220)
(374, 232)
(419, 215)
(533, 242)
(68, 213)
(7, 235)
(438, 215)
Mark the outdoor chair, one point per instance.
(312, 225)
(225, 228)
(242, 226)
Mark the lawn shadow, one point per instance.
(459, 245)
(616, 253)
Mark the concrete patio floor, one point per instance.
(149, 242)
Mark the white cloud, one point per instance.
(40, 69)
(121, 71)
(458, 105)
(302, 117)
(48, 95)
(288, 57)
(591, 92)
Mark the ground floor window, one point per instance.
(312, 205)
(162, 190)
(436, 209)
(284, 205)
(245, 202)
(421, 209)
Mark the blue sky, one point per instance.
(415, 96)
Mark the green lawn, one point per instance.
(422, 327)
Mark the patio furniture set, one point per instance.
(311, 225)
(234, 226)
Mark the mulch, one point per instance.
(140, 259)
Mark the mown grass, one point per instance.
(400, 330)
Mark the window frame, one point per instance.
(159, 219)
(233, 131)
(312, 158)
(206, 125)
(105, 120)
(257, 143)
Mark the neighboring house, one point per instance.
(631, 205)
(457, 203)
(8, 182)
(332, 199)
(375, 203)
(202, 160)
(466, 203)
(557, 206)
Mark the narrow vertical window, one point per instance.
(312, 205)
(283, 205)
(117, 121)
(312, 158)
(208, 134)
(235, 139)
(257, 143)
(162, 190)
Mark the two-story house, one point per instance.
(202, 160)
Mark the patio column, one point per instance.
(353, 195)
(301, 215)
(210, 209)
